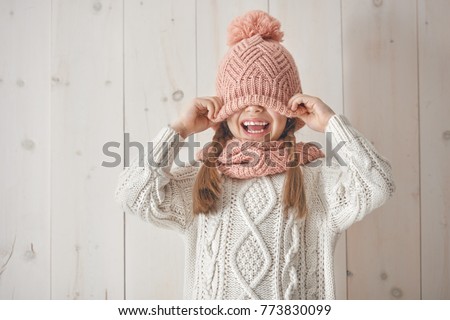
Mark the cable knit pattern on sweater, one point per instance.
(247, 249)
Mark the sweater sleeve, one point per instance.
(151, 189)
(355, 181)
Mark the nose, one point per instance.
(254, 108)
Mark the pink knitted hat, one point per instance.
(257, 69)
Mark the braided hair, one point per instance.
(208, 185)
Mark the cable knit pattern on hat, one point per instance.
(257, 69)
(247, 249)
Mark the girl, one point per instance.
(262, 214)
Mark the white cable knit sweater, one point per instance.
(247, 249)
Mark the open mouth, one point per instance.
(255, 127)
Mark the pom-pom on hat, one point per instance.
(257, 69)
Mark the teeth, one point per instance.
(256, 131)
(252, 123)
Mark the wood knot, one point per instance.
(28, 144)
(56, 80)
(396, 293)
(30, 254)
(377, 3)
(446, 135)
(178, 95)
(97, 6)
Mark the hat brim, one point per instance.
(238, 104)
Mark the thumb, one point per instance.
(303, 116)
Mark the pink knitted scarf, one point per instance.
(244, 159)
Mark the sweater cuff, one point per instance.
(341, 129)
(165, 146)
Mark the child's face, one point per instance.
(257, 123)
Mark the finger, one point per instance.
(291, 105)
(210, 107)
(292, 99)
(219, 105)
(295, 103)
(299, 108)
(304, 116)
(206, 106)
(215, 104)
(304, 101)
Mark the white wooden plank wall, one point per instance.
(87, 99)
(75, 75)
(159, 78)
(25, 141)
(434, 93)
(380, 99)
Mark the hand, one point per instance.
(313, 111)
(196, 116)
